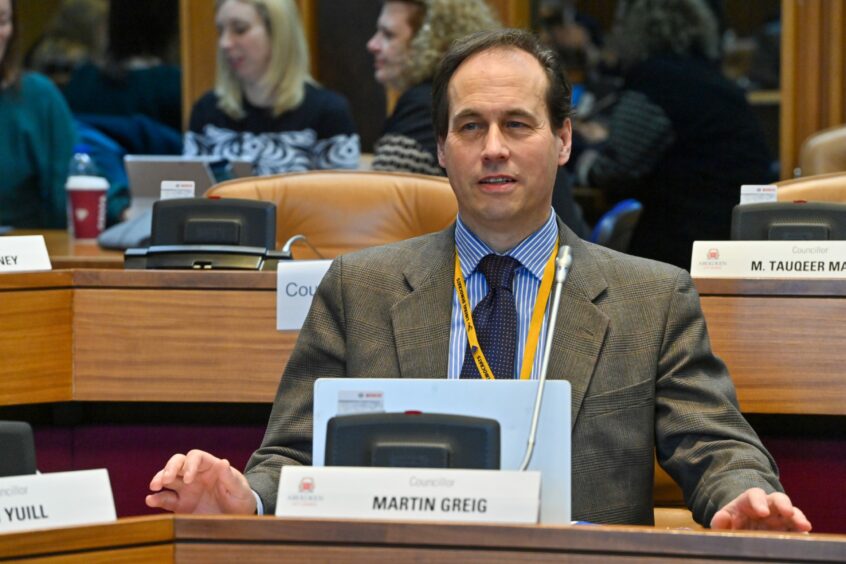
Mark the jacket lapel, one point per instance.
(580, 328)
(421, 319)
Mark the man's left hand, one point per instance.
(756, 510)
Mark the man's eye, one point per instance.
(516, 124)
(469, 127)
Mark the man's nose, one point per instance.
(373, 43)
(496, 146)
(225, 40)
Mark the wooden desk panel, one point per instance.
(120, 541)
(177, 345)
(266, 539)
(784, 342)
(35, 348)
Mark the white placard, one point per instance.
(769, 259)
(59, 499)
(296, 283)
(172, 189)
(420, 494)
(26, 253)
(757, 193)
(510, 402)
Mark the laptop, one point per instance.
(146, 173)
(509, 401)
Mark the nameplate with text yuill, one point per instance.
(769, 259)
(418, 494)
(25, 253)
(58, 499)
(296, 283)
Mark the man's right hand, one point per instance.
(199, 482)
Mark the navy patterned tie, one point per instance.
(495, 318)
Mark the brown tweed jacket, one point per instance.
(630, 338)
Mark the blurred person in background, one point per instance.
(411, 36)
(682, 138)
(77, 34)
(266, 107)
(36, 139)
(138, 74)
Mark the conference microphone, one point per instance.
(286, 248)
(562, 268)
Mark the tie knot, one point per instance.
(498, 270)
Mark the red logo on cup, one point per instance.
(713, 254)
(307, 485)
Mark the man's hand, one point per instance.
(199, 482)
(756, 510)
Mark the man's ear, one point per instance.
(441, 155)
(565, 142)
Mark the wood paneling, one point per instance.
(198, 48)
(813, 85)
(785, 355)
(513, 13)
(35, 348)
(78, 544)
(183, 345)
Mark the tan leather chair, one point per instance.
(343, 211)
(824, 152)
(819, 188)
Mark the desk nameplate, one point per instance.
(420, 494)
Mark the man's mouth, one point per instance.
(495, 180)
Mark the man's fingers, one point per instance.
(753, 503)
(156, 483)
(722, 519)
(781, 504)
(173, 469)
(167, 500)
(800, 522)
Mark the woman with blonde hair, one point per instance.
(265, 106)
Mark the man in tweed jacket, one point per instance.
(630, 337)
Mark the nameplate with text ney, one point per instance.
(26, 253)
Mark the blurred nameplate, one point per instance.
(296, 284)
(418, 494)
(769, 259)
(58, 499)
(26, 253)
(756, 193)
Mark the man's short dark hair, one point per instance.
(558, 87)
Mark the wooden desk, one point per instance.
(172, 337)
(177, 539)
(115, 335)
(783, 342)
(155, 336)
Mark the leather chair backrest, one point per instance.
(343, 211)
(824, 152)
(819, 188)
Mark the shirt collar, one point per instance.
(533, 252)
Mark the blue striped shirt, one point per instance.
(533, 253)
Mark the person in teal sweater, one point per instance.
(36, 140)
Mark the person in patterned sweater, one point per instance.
(265, 107)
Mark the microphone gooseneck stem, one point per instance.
(562, 268)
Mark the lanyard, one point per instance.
(534, 327)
